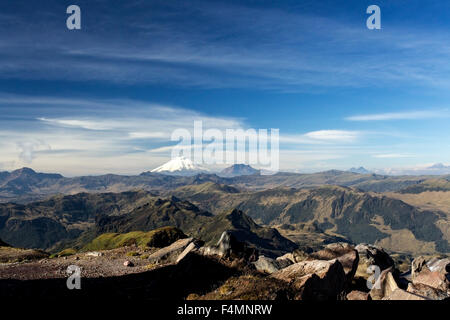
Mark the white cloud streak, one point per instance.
(409, 115)
(392, 156)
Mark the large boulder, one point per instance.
(289, 257)
(435, 273)
(300, 255)
(268, 265)
(344, 253)
(370, 255)
(229, 247)
(386, 288)
(314, 280)
(427, 291)
(384, 285)
(400, 294)
(192, 247)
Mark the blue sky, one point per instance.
(106, 98)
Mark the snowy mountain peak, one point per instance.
(179, 165)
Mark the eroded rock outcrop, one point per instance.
(314, 280)
(229, 247)
(171, 253)
(384, 285)
(268, 265)
(344, 253)
(427, 291)
(434, 273)
(370, 255)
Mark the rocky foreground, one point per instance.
(186, 269)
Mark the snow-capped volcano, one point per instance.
(180, 166)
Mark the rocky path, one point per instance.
(93, 265)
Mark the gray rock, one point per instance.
(268, 265)
(314, 280)
(427, 291)
(228, 246)
(170, 253)
(384, 286)
(190, 248)
(287, 256)
(435, 273)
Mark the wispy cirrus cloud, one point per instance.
(121, 133)
(393, 156)
(334, 135)
(208, 44)
(407, 115)
(321, 137)
(118, 129)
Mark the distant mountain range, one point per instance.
(435, 169)
(25, 185)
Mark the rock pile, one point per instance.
(339, 271)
